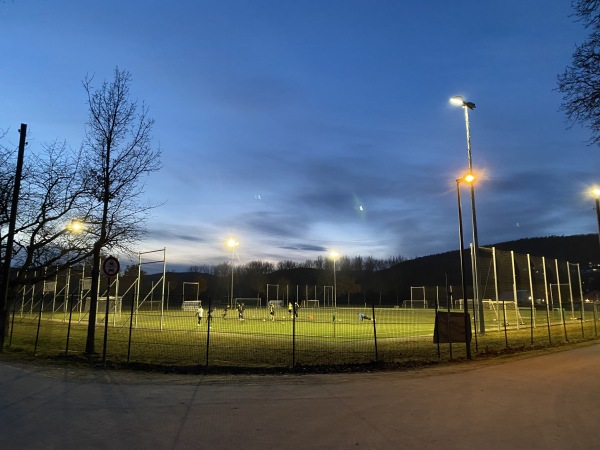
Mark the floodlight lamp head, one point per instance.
(596, 192)
(457, 100)
(75, 226)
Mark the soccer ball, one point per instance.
(264, 320)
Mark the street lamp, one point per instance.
(596, 193)
(468, 179)
(75, 226)
(334, 255)
(232, 243)
(459, 101)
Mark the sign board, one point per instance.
(450, 327)
(111, 266)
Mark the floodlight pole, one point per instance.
(459, 101)
(462, 272)
(231, 291)
(334, 255)
(232, 243)
(598, 215)
(334, 286)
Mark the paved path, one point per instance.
(550, 401)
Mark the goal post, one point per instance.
(190, 285)
(276, 287)
(249, 301)
(503, 311)
(417, 298)
(413, 304)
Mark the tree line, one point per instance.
(343, 264)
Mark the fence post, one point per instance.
(496, 285)
(70, 306)
(595, 319)
(12, 323)
(374, 331)
(515, 295)
(294, 335)
(532, 311)
(562, 312)
(547, 300)
(208, 330)
(37, 335)
(582, 315)
(133, 300)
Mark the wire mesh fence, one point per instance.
(526, 301)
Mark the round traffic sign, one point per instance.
(111, 266)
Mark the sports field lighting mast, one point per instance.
(334, 255)
(596, 194)
(468, 179)
(459, 101)
(232, 243)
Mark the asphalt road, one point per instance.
(549, 401)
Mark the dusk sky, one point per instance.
(299, 127)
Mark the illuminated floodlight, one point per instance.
(75, 226)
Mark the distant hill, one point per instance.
(581, 248)
(433, 270)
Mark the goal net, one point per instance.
(503, 312)
(257, 302)
(310, 303)
(414, 303)
(115, 305)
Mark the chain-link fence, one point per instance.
(526, 301)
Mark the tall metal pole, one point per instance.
(231, 292)
(462, 273)
(476, 284)
(334, 286)
(11, 235)
(598, 215)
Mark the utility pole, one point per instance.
(11, 236)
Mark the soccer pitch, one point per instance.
(316, 323)
(317, 336)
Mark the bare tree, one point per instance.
(287, 265)
(580, 82)
(222, 270)
(118, 145)
(52, 198)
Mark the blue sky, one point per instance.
(298, 127)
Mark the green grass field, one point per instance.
(313, 338)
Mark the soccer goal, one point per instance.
(256, 301)
(414, 304)
(504, 312)
(314, 303)
(193, 290)
(417, 298)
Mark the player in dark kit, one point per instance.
(272, 312)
